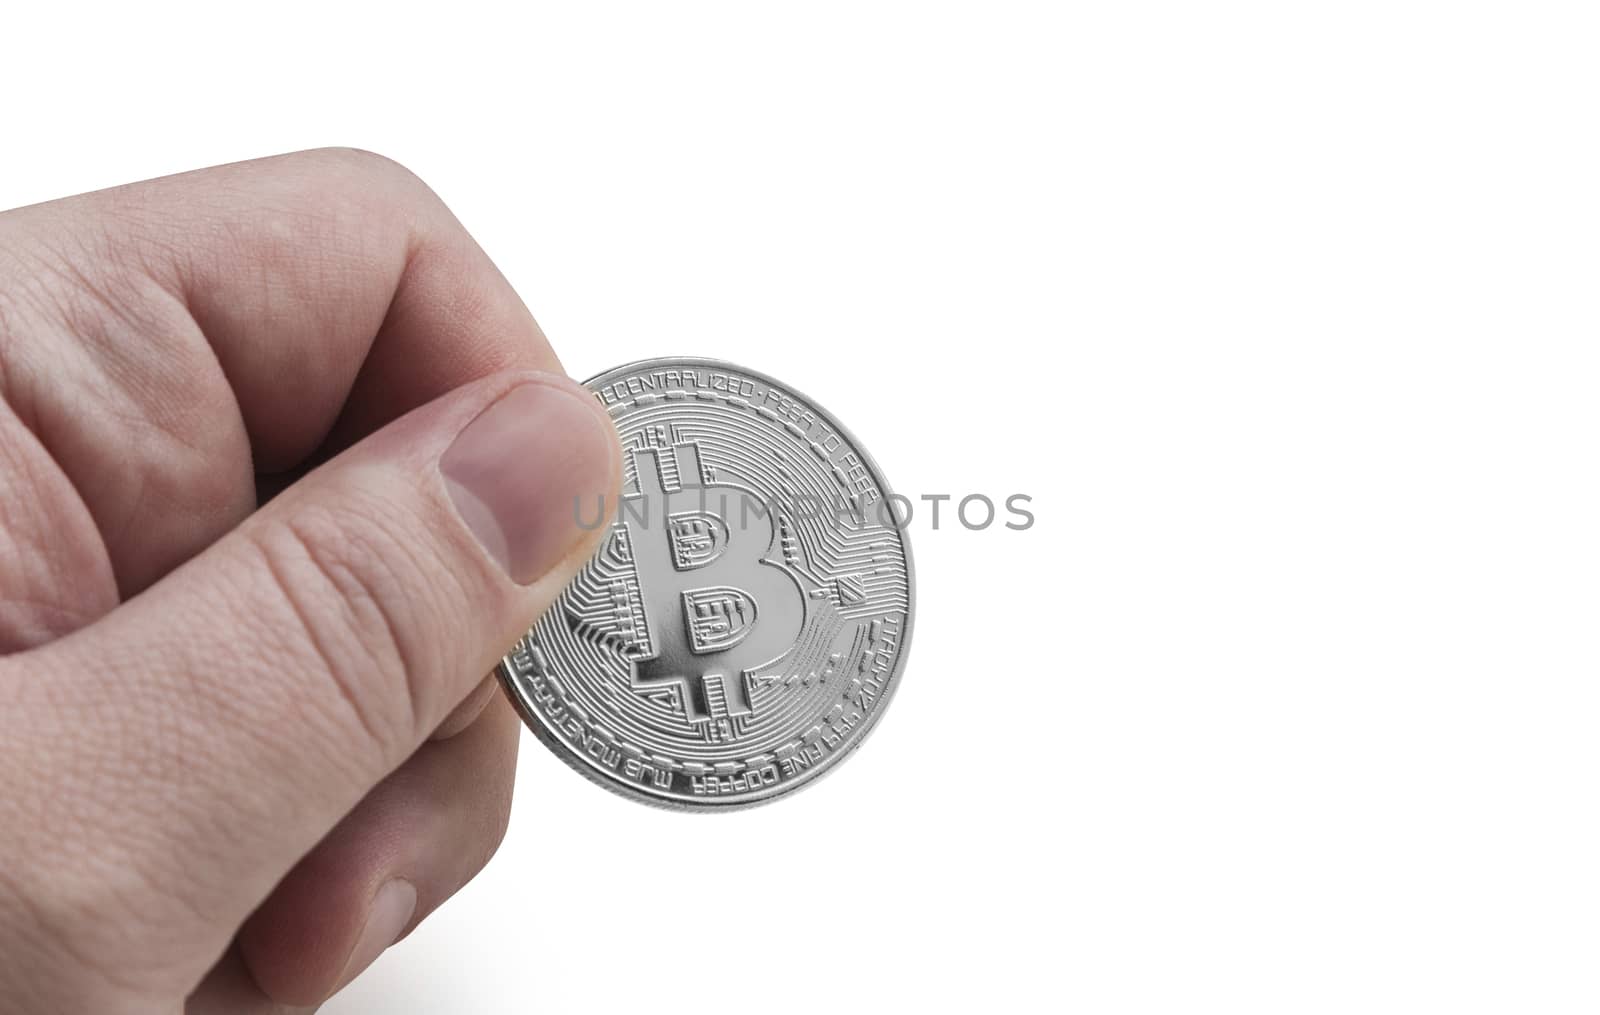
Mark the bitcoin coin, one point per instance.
(747, 615)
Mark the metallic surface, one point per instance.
(748, 613)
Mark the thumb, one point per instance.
(210, 731)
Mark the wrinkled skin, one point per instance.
(243, 632)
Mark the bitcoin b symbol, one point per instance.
(716, 606)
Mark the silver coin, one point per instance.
(748, 613)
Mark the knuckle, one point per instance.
(363, 159)
(365, 173)
(345, 592)
(327, 212)
(85, 300)
(93, 277)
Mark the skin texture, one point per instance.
(225, 724)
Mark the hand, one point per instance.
(245, 748)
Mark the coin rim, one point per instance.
(559, 747)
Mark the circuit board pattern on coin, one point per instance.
(748, 612)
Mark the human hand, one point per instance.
(242, 751)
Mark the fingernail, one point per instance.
(517, 470)
(391, 910)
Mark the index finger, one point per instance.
(320, 295)
(335, 289)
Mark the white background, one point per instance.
(1284, 314)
